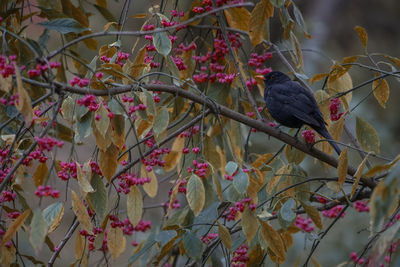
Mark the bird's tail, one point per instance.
(324, 132)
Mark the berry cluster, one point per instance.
(81, 82)
(41, 68)
(334, 212)
(126, 180)
(89, 101)
(334, 109)
(7, 65)
(361, 206)
(238, 207)
(207, 238)
(45, 191)
(240, 257)
(308, 136)
(7, 196)
(304, 224)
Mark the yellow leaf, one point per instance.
(5, 83)
(225, 236)
(217, 185)
(79, 246)
(165, 250)
(238, 17)
(108, 161)
(357, 175)
(336, 129)
(40, 174)
(13, 228)
(395, 60)
(258, 18)
(314, 214)
(276, 178)
(261, 160)
(381, 91)
(342, 168)
(143, 127)
(103, 142)
(318, 77)
(274, 240)
(102, 121)
(173, 197)
(116, 241)
(23, 105)
(102, 3)
(81, 212)
(150, 188)
(362, 34)
(138, 64)
(341, 84)
(134, 205)
(67, 108)
(294, 155)
(249, 224)
(84, 177)
(173, 158)
(381, 168)
(7, 255)
(195, 194)
(108, 25)
(139, 16)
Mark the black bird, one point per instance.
(292, 105)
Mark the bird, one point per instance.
(292, 105)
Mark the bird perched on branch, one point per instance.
(292, 105)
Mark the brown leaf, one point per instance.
(381, 168)
(134, 205)
(362, 34)
(118, 130)
(13, 228)
(314, 214)
(342, 167)
(116, 241)
(79, 246)
(103, 121)
(357, 175)
(249, 224)
(40, 174)
(23, 105)
(318, 77)
(274, 240)
(84, 177)
(5, 83)
(103, 142)
(276, 178)
(173, 158)
(225, 236)
(238, 17)
(187, 57)
(81, 212)
(108, 161)
(381, 91)
(258, 18)
(138, 64)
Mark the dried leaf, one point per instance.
(108, 161)
(173, 158)
(238, 17)
(5, 83)
(116, 241)
(40, 174)
(81, 212)
(79, 246)
(195, 194)
(53, 215)
(381, 168)
(13, 228)
(258, 18)
(314, 214)
(225, 236)
(150, 188)
(274, 240)
(342, 167)
(118, 130)
(249, 224)
(318, 77)
(357, 175)
(138, 64)
(134, 205)
(84, 177)
(362, 34)
(381, 91)
(102, 121)
(23, 105)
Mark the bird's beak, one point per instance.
(260, 77)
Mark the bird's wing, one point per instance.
(300, 103)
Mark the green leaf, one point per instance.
(277, 3)
(38, 230)
(286, 213)
(52, 212)
(64, 25)
(84, 127)
(99, 198)
(161, 120)
(193, 245)
(162, 43)
(367, 136)
(115, 107)
(231, 168)
(241, 181)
